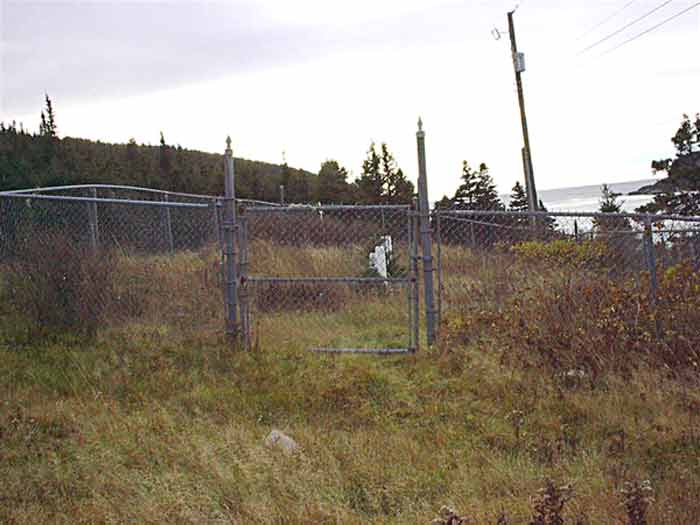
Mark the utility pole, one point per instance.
(519, 67)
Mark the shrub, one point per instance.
(58, 284)
(577, 321)
(586, 254)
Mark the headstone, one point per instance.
(380, 257)
(377, 261)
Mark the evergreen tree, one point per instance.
(370, 184)
(43, 126)
(485, 193)
(518, 198)
(680, 191)
(332, 183)
(47, 127)
(444, 204)
(164, 160)
(465, 196)
(396, 188)
(610, 203)
(477, 190)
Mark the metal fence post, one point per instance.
(168, 225)
(229, 227)
(243, 270)
(414, 302)
(92, 220)
(217, 224)
(426, 234)
(650, 254)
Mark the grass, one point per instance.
(157, 418)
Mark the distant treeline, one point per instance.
(29, 160)
(35, 160)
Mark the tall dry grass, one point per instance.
(156, 418)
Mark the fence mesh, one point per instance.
(337, 277)
(321, 276)
(91, 258)
(490, 259)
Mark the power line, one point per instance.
(697, 4)
(637, 20)
(606, 20)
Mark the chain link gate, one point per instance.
(305, 277)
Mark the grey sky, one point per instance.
(321, 79)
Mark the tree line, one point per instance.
(39, 159)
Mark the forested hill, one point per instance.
(35, 160)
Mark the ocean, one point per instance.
(587, 198)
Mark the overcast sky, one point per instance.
(322, 79)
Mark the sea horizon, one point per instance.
(587, 198)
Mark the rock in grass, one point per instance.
(281, 441)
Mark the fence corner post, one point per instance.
(229, 227)
(426, 235)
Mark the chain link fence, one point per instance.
(88, 257)
(490, 258)
(330, 278)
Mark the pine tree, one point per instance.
(518, 198)
(370, 184)
(48, 120)
(396, 188)
(43, 127)
(444, 204)
(332, 183)
(485, 193)
(465, 196)
(165, 164)
(609, 203)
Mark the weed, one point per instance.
(549, 504)
(637, 497)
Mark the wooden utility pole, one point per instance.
(519, 67)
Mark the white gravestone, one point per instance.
(379, 258)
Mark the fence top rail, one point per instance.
(129, 202)
(574, 214)
(328, 207)
(49, 189)
(258, 203)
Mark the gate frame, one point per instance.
(411, 282)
